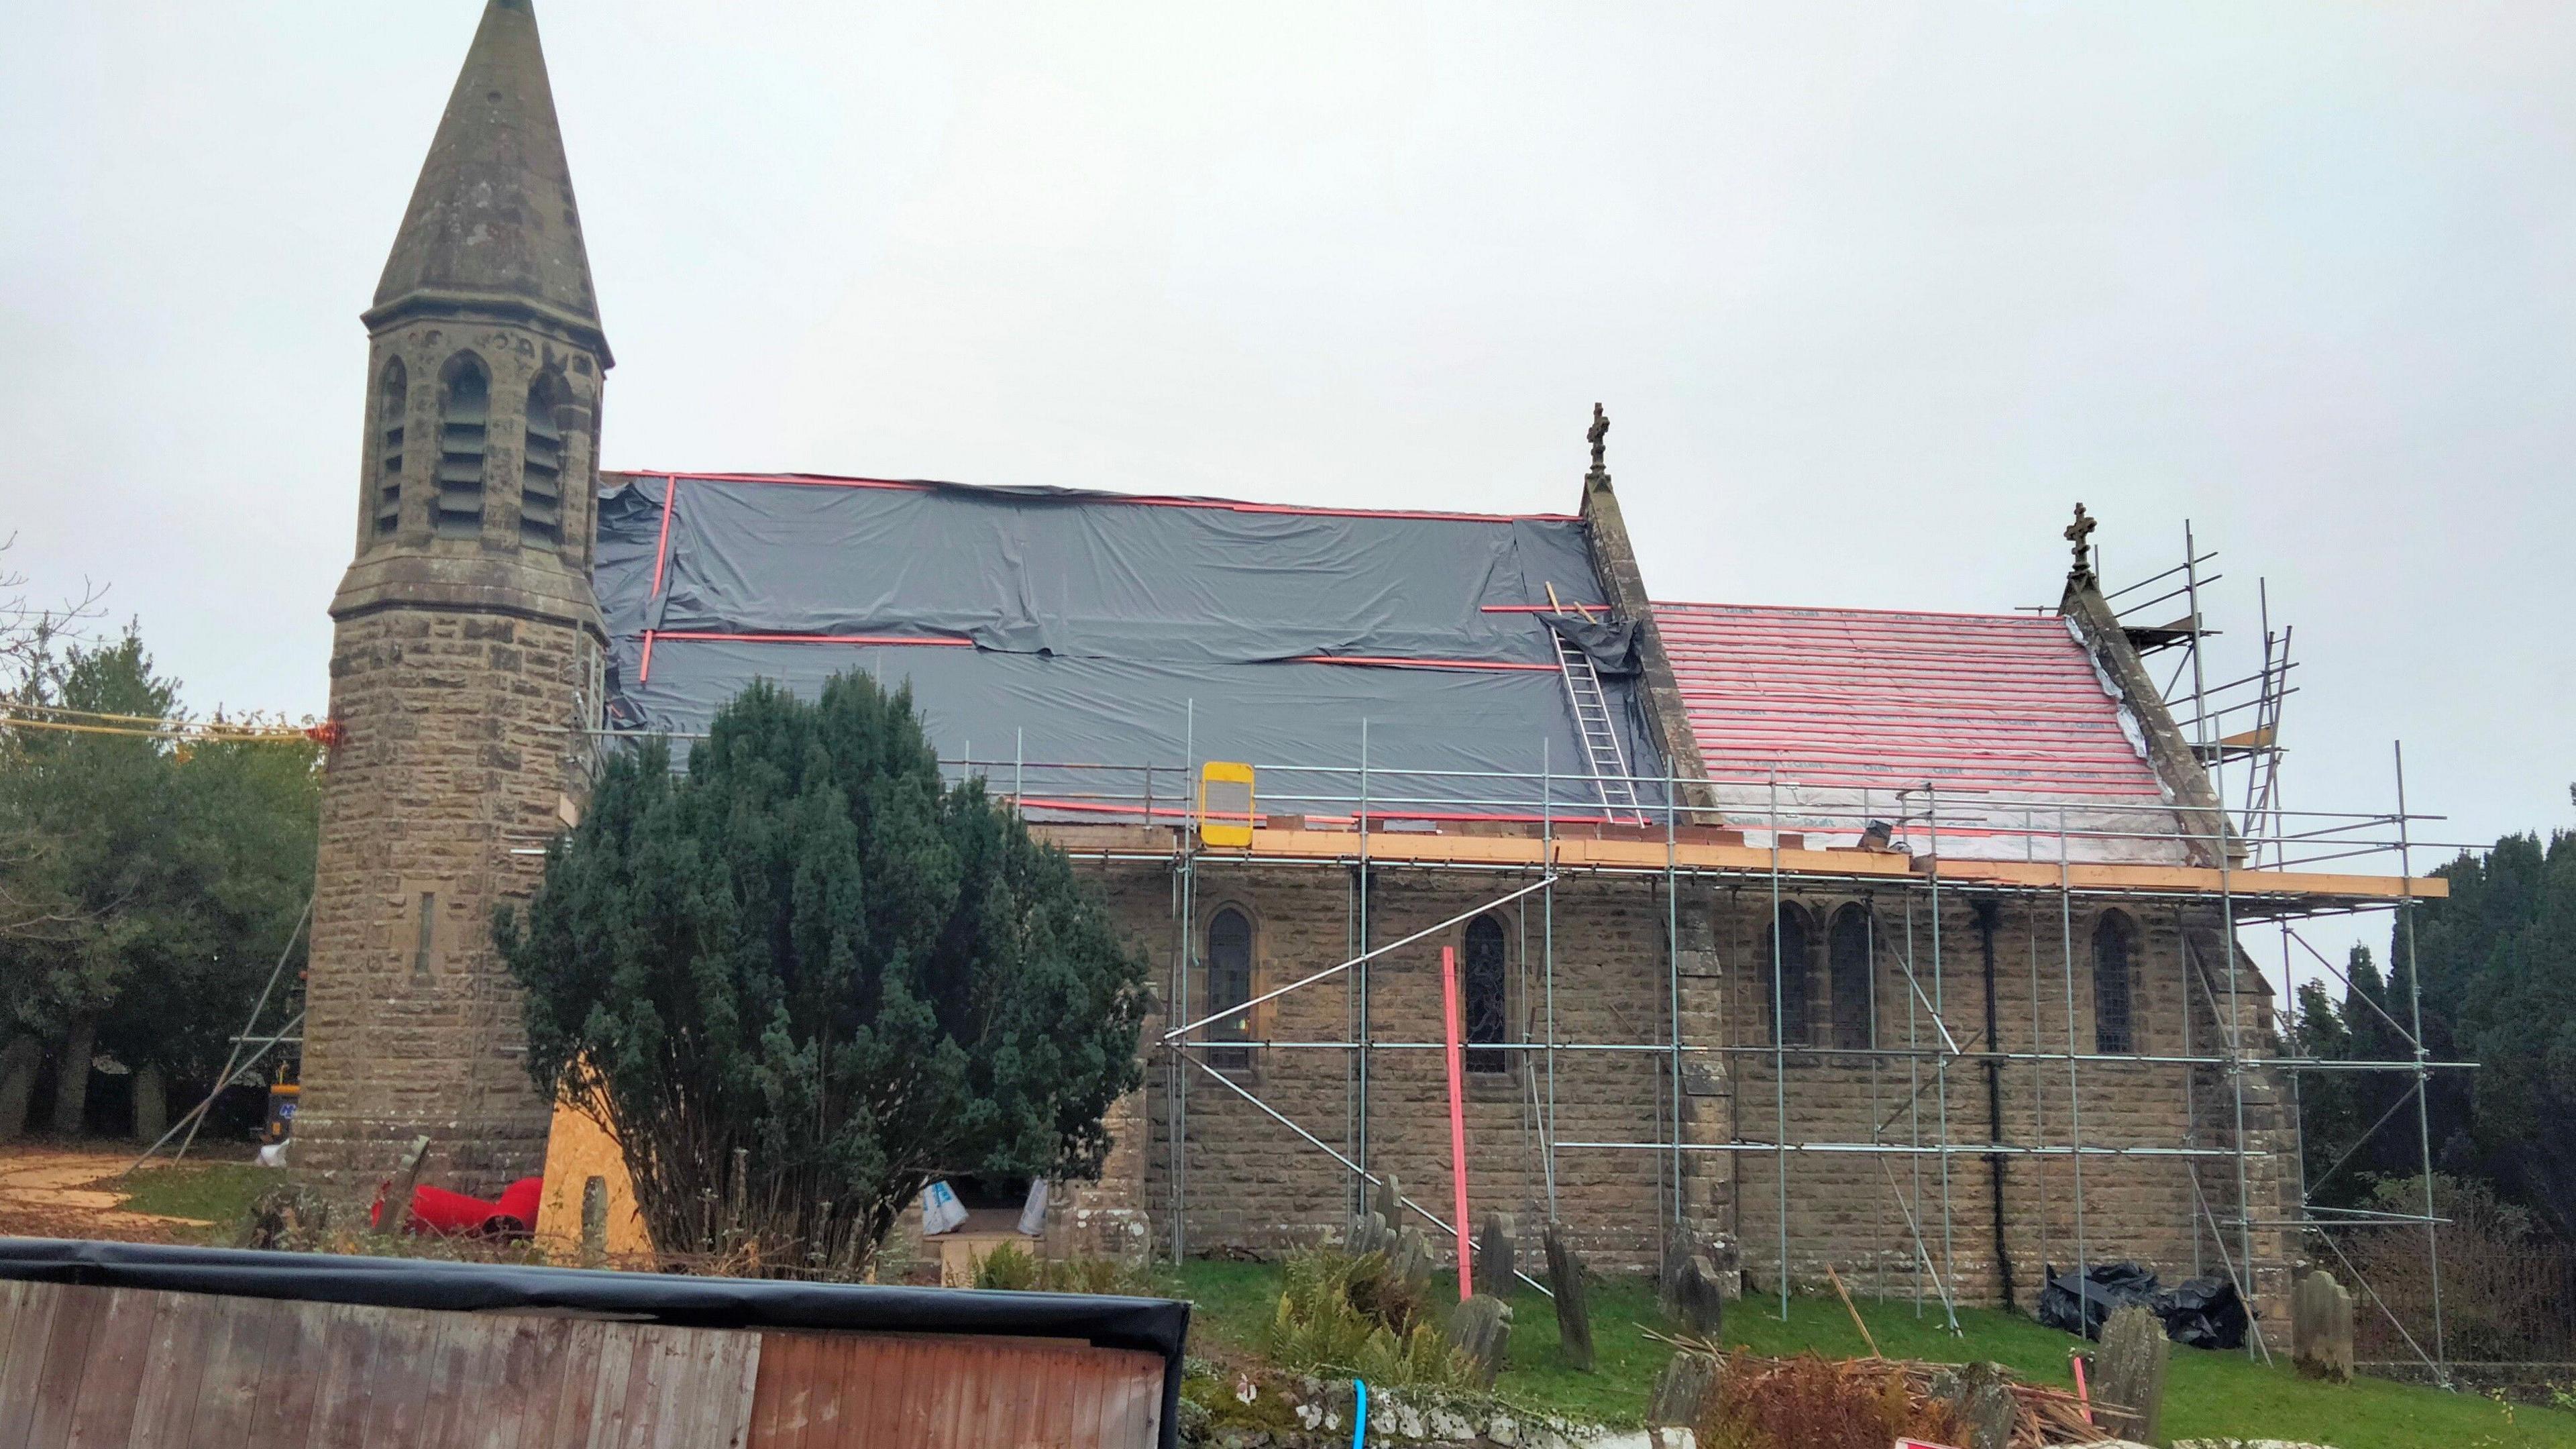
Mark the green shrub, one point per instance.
(1014, 1268)
(1354, 1315)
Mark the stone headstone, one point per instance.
(2129, 1372)
(1694, 1297)
(1481, 1328)
(2321, 1328)
(1683, 1389)
(1565, 1279)
(1370, 1235)
(1411, 1260)
(406, 1178)
(594, 1221)
(1389, 1200)
(1494, 1249)
(1980, 1394)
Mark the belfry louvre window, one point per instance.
(1847, 949)
(464, 418)
(1786, 943)
(1229, 986)
(393, 401)
(1483, 999)
(2114, 944)
(541, 469)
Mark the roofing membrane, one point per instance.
(1992, 719)
(1074, 639)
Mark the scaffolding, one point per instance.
(1737, 832)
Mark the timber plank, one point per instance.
(744, 1388)
(291, 1380)
(23, 1374)
(1086, 1373)
(1054, 1417)
(667, 1425)
(174, 1370)
(76, 1324)
(616, 1369)
(794, 1399)
(346, 1383)
(13, 1300)
(721, 1402)
(566, 1420)
(236, 1355)
(523, 1350)
(103, 1412)
(404, 1373)
(460, 1338)
(631, 1425)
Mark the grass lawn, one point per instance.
(2207, 1394)
(216, 1192)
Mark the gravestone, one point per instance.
(1494, 1252)
(594, 1221)
(1693, 1296)
(2129, 1372)
(1683, 1389)
(1369, 1235)
(1412, 1260)
(1389, 1200)
(2321, 1328)
(1481, 1328)
(1565, 1279)
(1980, 1395)
(406, 1179)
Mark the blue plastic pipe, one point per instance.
(1359, 1415)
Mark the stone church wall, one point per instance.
(1253, 1185)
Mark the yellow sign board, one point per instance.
(1225, 803)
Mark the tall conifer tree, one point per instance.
(809, 950)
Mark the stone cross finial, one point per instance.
(1599, 434)
(2078, 533)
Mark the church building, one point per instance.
(1900, 943)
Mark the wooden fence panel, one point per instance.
(900, 1391)
(102, 1368)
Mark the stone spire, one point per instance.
(492, 219)
(466, 647)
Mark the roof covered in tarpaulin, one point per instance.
(1089, 648)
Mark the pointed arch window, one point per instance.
(541, 467)
(2115, 944)
(393, 404)
(1229, 986)
(464, 420)
(1848, 951)
(1484, 997)
(1786, 943)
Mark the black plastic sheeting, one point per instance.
(1151, 1325)
(1073, 639)
(2202, 1313)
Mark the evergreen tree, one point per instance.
(809, 951)
(150, 888)
(2330, 1120)
(2499, 964)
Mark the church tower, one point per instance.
(466, 648)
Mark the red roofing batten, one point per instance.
(1886, 699)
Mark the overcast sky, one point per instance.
(1874, 294)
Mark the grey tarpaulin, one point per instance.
(1612, 647)
(1095, 630)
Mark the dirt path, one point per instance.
(49, 1191)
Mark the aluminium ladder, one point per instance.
(1600, 734)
